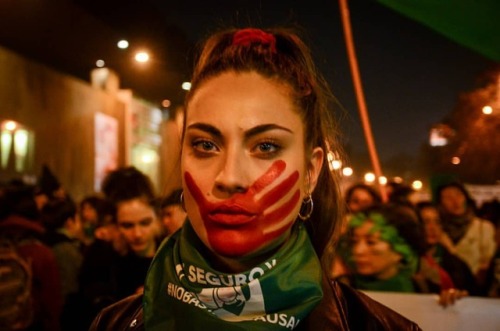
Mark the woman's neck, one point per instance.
(149, 252)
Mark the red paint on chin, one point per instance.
(237, 226)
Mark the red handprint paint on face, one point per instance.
(240, 225)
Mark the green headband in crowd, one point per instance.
(390, 234)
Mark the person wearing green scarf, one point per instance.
(263, 208)
(386, 243)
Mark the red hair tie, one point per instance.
(246, 37)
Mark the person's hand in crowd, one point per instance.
(450, 296)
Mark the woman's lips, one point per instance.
(362, 264)
(231, 219)
(231, 216)
(138, 244)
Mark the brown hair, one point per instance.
(282, 56)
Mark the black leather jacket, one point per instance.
(342, 308)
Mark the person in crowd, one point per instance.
(108, 232)
(48, 188)
(115, 265)
(386, 243)
(137, 218)
(490, 210)
(360, 196)
(64, 229)
(262, 204)
(386, 250)
(20, 222)
(402, 194)
(97, 277)
(473, 238)
(99, 214)
(172, 212)
(492, 282)
(95, 211)
(442, 269)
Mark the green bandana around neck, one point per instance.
(183, 291)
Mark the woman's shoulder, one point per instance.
(479, 228)
(122, 315)
(344, 308)
(482, 224)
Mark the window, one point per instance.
(16, 146)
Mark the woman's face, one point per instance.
(244, 164)
(432, 225)
(138, 224)
(89, 214)
(453, 201)
(360, 199)
(373, 256)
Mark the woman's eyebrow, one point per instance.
(263, 128)
(248, 134)
(206, 128)
(145, 219)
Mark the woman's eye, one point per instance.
(125, 226)
(204, 146)
(267, 148)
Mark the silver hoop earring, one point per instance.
(306, 209)
(181, 198)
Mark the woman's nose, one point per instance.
(358, 248)
(232, 178)
(137, 231)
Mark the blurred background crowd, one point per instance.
(87, 254)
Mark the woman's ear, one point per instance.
(314, 168)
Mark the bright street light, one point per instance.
(347, 171)
(166, 103)
(369, 177)
(123, 44)
(335, 165)
(9, 125)
(417, 185)
(397, 179)
(487, 110)
(142, 57)
(455, 160)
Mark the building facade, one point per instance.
(80, 130)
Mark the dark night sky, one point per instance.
(411, 75)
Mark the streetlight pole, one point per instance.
(344, 10)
